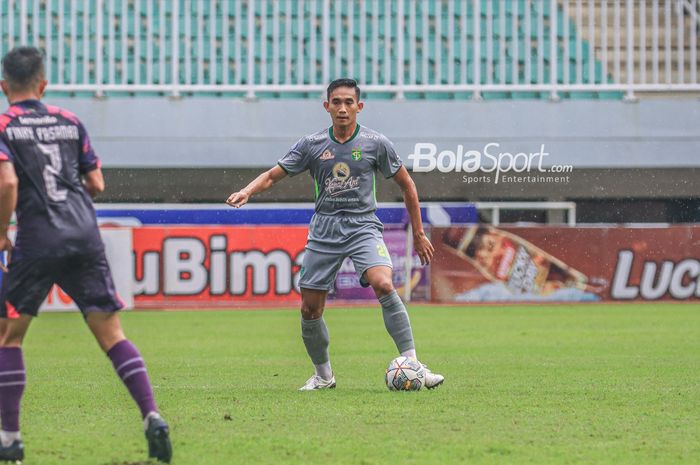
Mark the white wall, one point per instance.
(221, 132)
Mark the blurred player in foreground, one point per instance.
(342, 161)
(48, 171)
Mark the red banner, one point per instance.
(484, 263)
(218, 265)
(229, 266)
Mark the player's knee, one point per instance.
(106, 327)
(10, 338)
(382, 286)
(12, 333)
(311, 310)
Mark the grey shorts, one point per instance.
(332, 239)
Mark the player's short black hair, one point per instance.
(22, 67)
(344, 82)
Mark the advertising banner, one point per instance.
(230, 266)
(216, 266)
(270, 214)
(488, 264)
(225, 266)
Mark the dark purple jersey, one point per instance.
(50, 150)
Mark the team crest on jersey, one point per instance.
(357, 154)
(327, 155)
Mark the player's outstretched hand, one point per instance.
(423, 247)
(5, 246)
(238, 199)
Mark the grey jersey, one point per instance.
(343, 174)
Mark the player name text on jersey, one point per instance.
(44, 134)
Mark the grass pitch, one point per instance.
(596, 384)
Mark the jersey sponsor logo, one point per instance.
(357, 154)
(38, 120)
(327, 155)
(341, 181)
(341, 171)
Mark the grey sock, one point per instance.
(316, 339)
(396, 321)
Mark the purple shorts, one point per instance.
(86, 278)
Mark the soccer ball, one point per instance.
(404, 374)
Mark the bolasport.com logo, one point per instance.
(489, 165)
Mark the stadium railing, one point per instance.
(395, 48)
(495, 209)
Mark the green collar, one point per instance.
(330, 133)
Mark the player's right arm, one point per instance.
(8, 201)
(292, 163)
(259, 184)
(89, 164)
(94, 182)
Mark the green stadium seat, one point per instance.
(490, 95)
(264, 46)
(582, 95)
(533, 95)
(438, 96)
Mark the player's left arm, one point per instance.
(410, 197)
(8, 202)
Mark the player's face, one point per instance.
(343, 107)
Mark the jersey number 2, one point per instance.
(52, 171)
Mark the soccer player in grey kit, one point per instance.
(343, 160)
(48, 171)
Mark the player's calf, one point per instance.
(12, 382)
(131, 368)
(316, 340)
(397, 323)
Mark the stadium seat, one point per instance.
(437, 16)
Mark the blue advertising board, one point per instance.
(442, 214)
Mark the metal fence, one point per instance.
(403, 48)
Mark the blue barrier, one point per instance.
(267, 214)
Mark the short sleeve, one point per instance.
(388, 161)
(88, 160)
(297, 159)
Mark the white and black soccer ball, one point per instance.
(404, 374)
